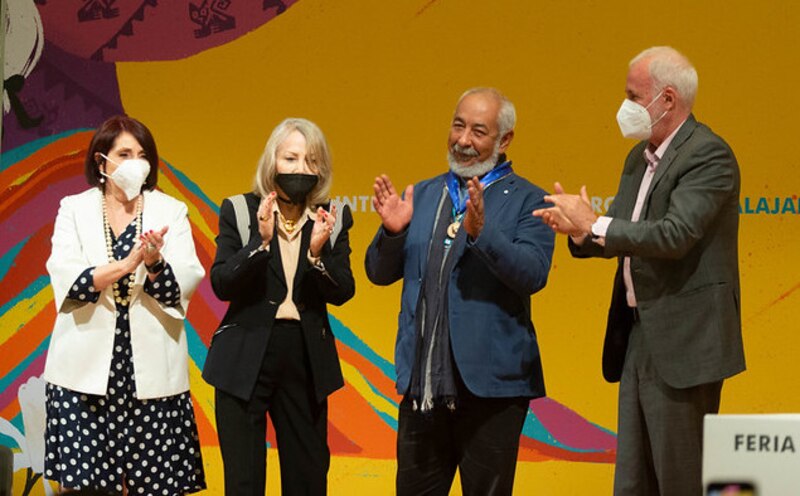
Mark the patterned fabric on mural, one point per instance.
(139, 30)
(67, 78)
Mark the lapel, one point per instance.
(90, 227)
(628, 200)
(151, 208)
(302, 259)
(671, 152)
(495, 197)
(424, 218)
(275, 261)
(93, 237)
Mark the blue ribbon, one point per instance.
(459, 204)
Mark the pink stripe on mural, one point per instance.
(35, 368)
(569, 428)
(37, 212)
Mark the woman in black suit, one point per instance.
(274, 350)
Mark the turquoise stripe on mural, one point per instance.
(388, 419)
(346, 336)
(33, 288)
(20, 426)
(534, 429)
(197, 349)
(12, 376)
(378, 392)
(193, 187)
(7, 260)
(11, 157)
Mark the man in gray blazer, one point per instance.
(674, 326)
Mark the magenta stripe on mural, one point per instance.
(35, 368)
(37, 211)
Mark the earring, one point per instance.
(102, 180)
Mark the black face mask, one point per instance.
(296, 186)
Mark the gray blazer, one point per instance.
(684, 261)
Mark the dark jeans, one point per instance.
(284, 389)
(481, 438)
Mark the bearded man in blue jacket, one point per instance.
(470, 256)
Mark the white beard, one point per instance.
(478, 168)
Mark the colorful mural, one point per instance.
(363, 418)
(60, 56)
(212, 77)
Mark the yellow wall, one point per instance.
(381, 79)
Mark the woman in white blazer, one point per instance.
(123, 268)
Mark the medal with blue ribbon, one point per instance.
(460, 204)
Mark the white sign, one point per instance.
(759, 453)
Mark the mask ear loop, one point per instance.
(655, 99)
(651, 104)
(100, 163)
(659, 118)
(105, 161)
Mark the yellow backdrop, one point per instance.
(381, 79)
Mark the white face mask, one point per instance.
(634, 119)
(129, 176)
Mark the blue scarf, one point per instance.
(453, 189)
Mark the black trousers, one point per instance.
(285, 391)
(481, 438)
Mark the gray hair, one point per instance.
(669, 67)
(316, 146)
(506, 117)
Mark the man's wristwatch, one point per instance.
(156, 267)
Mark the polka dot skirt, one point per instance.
(103, 442)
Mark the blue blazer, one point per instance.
(491, 333)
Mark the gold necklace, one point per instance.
(127, 279)
(288, 224)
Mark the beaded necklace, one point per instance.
(127, 279)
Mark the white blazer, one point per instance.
(79, 357)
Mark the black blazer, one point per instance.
(254, 284)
